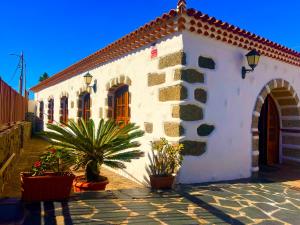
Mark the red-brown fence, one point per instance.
(13, 106)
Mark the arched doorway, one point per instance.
(118, 104)
(269, 131)
(275, 125)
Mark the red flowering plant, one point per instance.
(55, 160)
(38, 168)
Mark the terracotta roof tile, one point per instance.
(169, 23)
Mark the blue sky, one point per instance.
(56, 33)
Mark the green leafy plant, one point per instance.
(165, 158)
(55, 160)
(109, 144)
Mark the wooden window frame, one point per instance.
(84, 106)
(119, 104)
(41, 110)
(51, 110)
(64, 110)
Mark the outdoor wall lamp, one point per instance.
(88, 80)
(253, 59)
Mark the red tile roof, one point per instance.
(169, 23)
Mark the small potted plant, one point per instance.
(165, 161)
(49, 179)
(110, 144)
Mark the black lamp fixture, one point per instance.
(253, 58)
(88, 80)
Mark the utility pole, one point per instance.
(22, 67)
(22, 73)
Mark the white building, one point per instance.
(179, 77)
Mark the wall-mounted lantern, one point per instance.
(88, 80)
(253, 59)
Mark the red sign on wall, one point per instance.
(154, 52)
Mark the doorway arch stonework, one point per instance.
(287, 102)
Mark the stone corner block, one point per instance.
(177, 58)
(193, 148)
(205, 130)
(187, 112)
(200, 95)
(156, 79)
(173, 93)
(148, 127)
(207, 63)
(173, 129)
(189, 75)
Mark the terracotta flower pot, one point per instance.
(81, 185)
(162, 182)
(51, 187)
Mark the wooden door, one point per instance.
(272, 132)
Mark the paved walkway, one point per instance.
(239, 203)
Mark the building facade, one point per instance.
(179, 77)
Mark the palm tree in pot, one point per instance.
(109, 144)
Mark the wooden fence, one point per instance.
(13, 106)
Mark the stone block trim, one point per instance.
(189, 75)
(291, 140)
(290, 123)
(177, 58)
(255, 160)
(255, 122)
(187, 112)
(156, 79)
(148, 127)
(287, 101)
(193, 148)
(279, 94)
(292, 153)
(205, 130)
(173, 93)
(173, 129)
(200, 95)
(258, 105)
(290, 111)
(117, 81)
(264, 92)
(255, 144)
(207, 63)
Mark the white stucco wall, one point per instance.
(145, 106)
(229, 107)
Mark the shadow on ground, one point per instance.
(239, 202)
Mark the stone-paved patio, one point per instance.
(242, 202)
(239, 202)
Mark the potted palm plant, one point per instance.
(109, 144)
(165, 161)
(50, 178)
